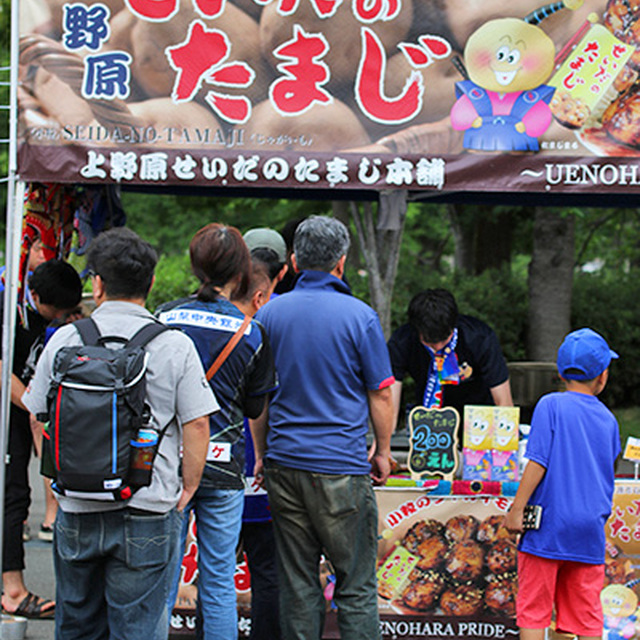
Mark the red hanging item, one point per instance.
(48, 217)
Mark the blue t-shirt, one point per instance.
(247, 372)
(329, 350)
(576, 438)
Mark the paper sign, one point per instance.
(632, 450)
(394, 572)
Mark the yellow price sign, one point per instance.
(632, 450)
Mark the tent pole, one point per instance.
(15, 199)
(15, 202)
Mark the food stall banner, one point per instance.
(455, 95)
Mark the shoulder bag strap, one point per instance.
(228, 348)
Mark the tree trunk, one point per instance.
(463, 245)
(550, 283)
(379, 238)
(482, 236)
(494, 239)
(342, 211)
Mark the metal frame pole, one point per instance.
(15, 200)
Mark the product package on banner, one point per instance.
(332, 94)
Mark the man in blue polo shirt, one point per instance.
(334, 373)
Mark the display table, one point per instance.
(446, 569)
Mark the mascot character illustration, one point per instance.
(620, 608)
(504, 103)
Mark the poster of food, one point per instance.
(447, 569)
(622, 569)
(332, 94)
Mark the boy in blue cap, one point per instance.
(572, 449)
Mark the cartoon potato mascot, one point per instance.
(619, 605)
(504, 105)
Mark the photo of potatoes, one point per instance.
(452, 559)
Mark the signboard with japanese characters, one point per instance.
(446, 567)
(331, 94)
(632, 449)
(490, 443)
(433, 442)
(622, 578)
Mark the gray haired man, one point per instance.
(334, 373)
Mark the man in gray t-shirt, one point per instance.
(113, 560)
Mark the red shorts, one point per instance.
(573, 587)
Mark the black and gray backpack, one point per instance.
(97, 412)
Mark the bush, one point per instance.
(500, 299)
(173, 280)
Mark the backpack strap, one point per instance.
(90, 335)
(228, 348)
(145, 335)
(88, 330)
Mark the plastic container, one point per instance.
(143, 451)
(13, 627)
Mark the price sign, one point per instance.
(433, 442)
(632, 450)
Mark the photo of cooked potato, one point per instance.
(465, 561)
(424, 590)
(449, 565)
(500, 595)
(621, 119)
(502, 557)
(569, 112)
(465, 600)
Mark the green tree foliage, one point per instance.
(169, 221)
(610, 304)
(174, 280)
(607, 300)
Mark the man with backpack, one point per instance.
(115, 538)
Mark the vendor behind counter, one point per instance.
(454, 360)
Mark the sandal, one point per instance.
(32, 607)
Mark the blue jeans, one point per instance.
(113, 571)
(316, 513)
(218, 522)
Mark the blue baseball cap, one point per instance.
(586, 351)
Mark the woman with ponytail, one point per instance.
(236, 355)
